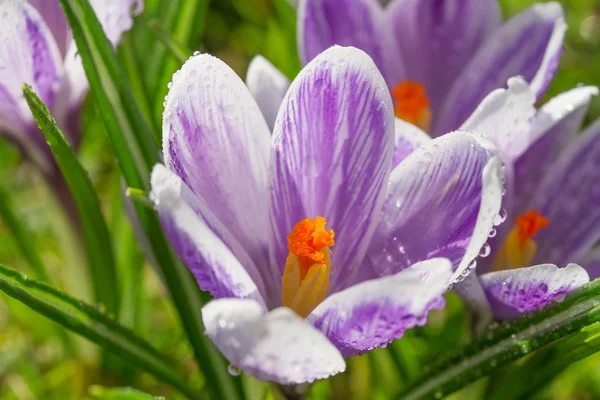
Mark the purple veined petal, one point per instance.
(591, 262)
(116, 16)
(520, 47)
(332, 152)
(373, 313)
(438, 37)
(358, 23)
(569, 196)
(504, 117)
(204, 245)
(441, 202)
(554, 126)
(407, 139)
(56, 20)
(516, 291)
(216, 139)
(268, 86)
(274, 346)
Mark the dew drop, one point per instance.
(233, 370)
(493, 233)
(485, 250)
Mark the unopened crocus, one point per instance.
(440, 58)
(314, 247)
(37, 48)
(551, 203)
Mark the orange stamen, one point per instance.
(412, 104)
(307, 240)
(529, 224)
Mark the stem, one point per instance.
(506, 343)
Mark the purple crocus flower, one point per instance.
(440, 58)
(37, 48)
(551, 204)
(314, 246)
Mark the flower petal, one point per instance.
(373, 313)
(554, 126)
(522, 46)
(568, 196)
(268, 86)
(202, 242)
(441, 202)
(516, 291)
(591, 262)
(56, 20)
(358, 23)
(437, 39)
(408, 138)
(216, 139)
(276, 346)
(504, 117)
(332, 151)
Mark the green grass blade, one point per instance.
(90, 323)
(22, 236)
(95, 232)
(137, 152)
(177, 50)
(101, 393)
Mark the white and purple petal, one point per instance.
(554, 126)
(56, 20)
(373, 313)
(274, 346)
(527, 45)
(332, 152)
(437, 39)
(504, 118)
(357, 23)
(216, 139)
(569, 196)
(217, 261)
(407, 139)
(516, 291)
(268, 86)
(441, 202)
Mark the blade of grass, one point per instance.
(177, 50)
(95, 232)
(92, 324)
(101, 393)
(137, 152)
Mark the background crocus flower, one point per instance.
(314, 247)
(439, 58)
(37, 48)
(551, 203)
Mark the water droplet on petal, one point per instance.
(233, 370)
(485, 250)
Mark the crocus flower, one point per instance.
(551, 204)
(37, 48)
(313, 246)
(440, 58)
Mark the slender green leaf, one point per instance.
(101, 393)
(177, 50)
(506, 343)
(524, 380)
(91, 323)
(138, 152)
(95, 231)
(22, 236)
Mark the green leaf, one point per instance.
(177, 50)
(137, 152)
(101, 393)
(529, 377)
(95, 232)
(506, 343)
(92, 324)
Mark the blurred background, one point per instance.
(34, 363)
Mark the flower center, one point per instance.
(306, 277)
(412, 104)
(519, 248)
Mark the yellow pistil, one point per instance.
(519, 248)
(305, 280)
(412, 104)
